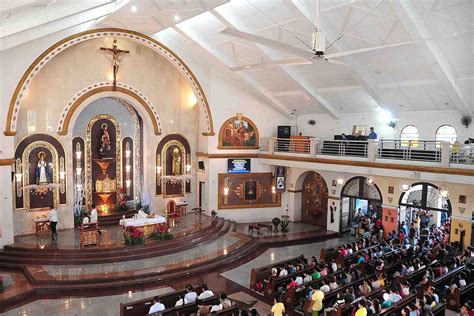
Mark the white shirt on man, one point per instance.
(157, 307)
(205, 294)
(190, 297)
(299, 280)
(216, 308)
(53, 215)
(325, 288)
(93, 216)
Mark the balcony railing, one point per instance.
(441, 153)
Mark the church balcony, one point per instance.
(409, 156)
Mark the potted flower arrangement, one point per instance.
(133, 236)
(162, 232)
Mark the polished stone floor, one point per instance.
(111, 235)
(195, 253)
(241, 274)
(292, 227)
(103, 306)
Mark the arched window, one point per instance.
(446, 133)
(31, 121)
(410, 136)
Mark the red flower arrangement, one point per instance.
(162, 232)
(133, 236)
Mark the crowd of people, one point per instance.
(389, 269)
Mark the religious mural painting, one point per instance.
(238, 132)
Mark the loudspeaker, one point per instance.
(201, 165)
(284, 132)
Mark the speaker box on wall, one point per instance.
(201, 165)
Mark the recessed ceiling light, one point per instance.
(401, 105)
(176, 18)
(133, 8)
(446, 103)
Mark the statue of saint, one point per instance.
(42, 169)
(104, 140)
(176, 163)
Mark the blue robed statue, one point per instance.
(43, 171)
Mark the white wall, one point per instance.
(426, 122)
(6, 213)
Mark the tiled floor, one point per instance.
(241, 274)
(103, 306)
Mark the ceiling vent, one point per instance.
(312, 122)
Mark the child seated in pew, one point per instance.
(157, 306)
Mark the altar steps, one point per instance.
(27, 256)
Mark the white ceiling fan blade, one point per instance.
(268, 43)
(272, 63)
(368, 49)
(337, 62)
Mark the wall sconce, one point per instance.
(404, 187)
(226, 196)
(340, 180)
(273, 193)
(128, 183)
(62, 175)
(158, 170)
(18, 177)
(188, 168)
(78, 171)
(127, 153)
(78, 154)
(127, 168)
(274, 189)
(79, 186)
(370, 181)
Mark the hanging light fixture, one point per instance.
(404, 187)
(340, 180)
(370, 181)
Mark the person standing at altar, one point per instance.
(53, 222)
(93, 218)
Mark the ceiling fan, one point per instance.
(317, 51)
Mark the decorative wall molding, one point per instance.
(51, 52)
(84, 94)
(223, 156)
(7, 162)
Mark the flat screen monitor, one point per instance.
(238, 165)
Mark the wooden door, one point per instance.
(314, 200)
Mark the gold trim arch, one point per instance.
(79, 99)
(51, 52)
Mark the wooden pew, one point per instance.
(444, 279)
(257, 275)
(141, 307)
(459, 295)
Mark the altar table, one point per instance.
(146, 225)
(42, 225)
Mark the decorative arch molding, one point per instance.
(358, 188)
(100, 87)
(51, 52)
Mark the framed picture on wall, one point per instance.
(358, 130)
(462, 199)
(250, 190)
(280, 183)
(391, 190)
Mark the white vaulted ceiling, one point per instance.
(435, 73)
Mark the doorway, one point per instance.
(314, 200)
(358, 195)
(201, 192)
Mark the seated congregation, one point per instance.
(373, 276)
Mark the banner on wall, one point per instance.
(280, 178)
(389, 220)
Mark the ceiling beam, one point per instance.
(249, 82)
(415, 26)
(304, 84)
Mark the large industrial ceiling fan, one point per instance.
(316, 51)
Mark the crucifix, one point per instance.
(116, 53)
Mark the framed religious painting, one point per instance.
(250, 190)
(238, 132)
(358, 130)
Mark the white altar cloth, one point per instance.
(144, 221)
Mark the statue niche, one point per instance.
(43, 170)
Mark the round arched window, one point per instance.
(410, 136)
(446, 133)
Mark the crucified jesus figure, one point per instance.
(116, 53)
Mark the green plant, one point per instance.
(284, 226)
(133, 236)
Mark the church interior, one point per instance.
(237, 157)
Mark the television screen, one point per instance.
(238, 165)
